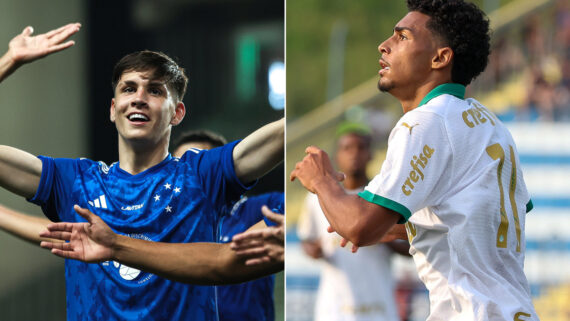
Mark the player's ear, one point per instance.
(179, 113)
(112, 110)
(442, 58)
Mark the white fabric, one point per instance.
(455, 199)
(353, 286)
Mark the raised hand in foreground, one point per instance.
(88, 242)
(262, 245)
(25, 48)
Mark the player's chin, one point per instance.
(384, 85)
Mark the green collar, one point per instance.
(456, 90)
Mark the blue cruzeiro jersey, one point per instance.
(175, 201)
(250, 301)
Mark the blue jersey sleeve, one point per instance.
(276, 203)
(56, 183)
(251, 209)
(216, 172)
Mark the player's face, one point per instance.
(353, 154)
(406, 55)
(143, 108)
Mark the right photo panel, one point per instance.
(428, 157)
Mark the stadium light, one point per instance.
(276, 79)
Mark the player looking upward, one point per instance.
(452, 171)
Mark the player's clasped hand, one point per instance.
(314, 167)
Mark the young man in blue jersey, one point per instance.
(251, 300)
(147, 194)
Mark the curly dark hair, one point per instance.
(464, 28)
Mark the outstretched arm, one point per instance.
(260, 151)
(24, 226)
(196, 263)
(355, 219)
(20, 172)
(25, 48)
(265, 245)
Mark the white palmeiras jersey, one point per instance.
(453, 172)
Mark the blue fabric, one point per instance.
(176, 201)
(250, 301)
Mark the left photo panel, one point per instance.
(141, 160)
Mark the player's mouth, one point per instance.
(384, 67)
(138, 118)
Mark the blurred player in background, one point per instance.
(147, 194)
(251, 300)
(452, 172)
(359, 286)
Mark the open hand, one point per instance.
(25, 48)
(87, 242)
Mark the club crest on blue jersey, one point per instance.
(125, 272)
(104, 168)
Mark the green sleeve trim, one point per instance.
(529, 206)
(387, 203)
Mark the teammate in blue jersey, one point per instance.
(147, 194)
(251, 300)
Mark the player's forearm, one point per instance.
(20, 172)
(196, 263)
(24, 226)
(397, 232)
(260, 151)
(353, 218)
(7, 66)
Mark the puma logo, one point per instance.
(410, 127)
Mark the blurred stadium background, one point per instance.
(233, 52)
(332, 64)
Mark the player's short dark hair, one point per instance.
(200, 136)
(464, 28)
(162, 66)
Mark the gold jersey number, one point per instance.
(496, 151)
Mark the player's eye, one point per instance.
(402, 36)
(155, 91)
(128, 89)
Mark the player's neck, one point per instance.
(411, 97)
(138, 157)
(355, 181)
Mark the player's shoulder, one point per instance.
(81, 163)
(191, 153)
(452, 112)
(442, 106)
(89, 165)
(420, 120)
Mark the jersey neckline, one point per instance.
(456, 90)
(122, 173)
